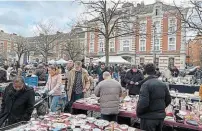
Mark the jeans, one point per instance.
(151, 125)
(109, 117)
(57, 103)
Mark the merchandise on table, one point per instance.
(70, 122)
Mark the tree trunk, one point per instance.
(46, 57)
(107, 51)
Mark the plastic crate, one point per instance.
(31, 81)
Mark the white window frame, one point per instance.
(142, 47)
(91, 47)
(111, 46)
(101, 47)
(155, 45)
(124, 46)
(172, 26)
(143, 29)
(158, 28)
(92, 36)
(171, 44)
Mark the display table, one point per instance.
(184, 88)
(68, 122)
(132, 114)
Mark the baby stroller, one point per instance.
(41, 104)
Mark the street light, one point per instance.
(154, 51)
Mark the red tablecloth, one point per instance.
(132, 114)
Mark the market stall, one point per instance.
(184, 88)
(127, 109)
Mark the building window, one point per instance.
(157, 45)
(142, 45)
(172, 44)
(91, 47)
(143, 29)
(101, 47)
(157, 27)
(171, 62)
(91, 36)
(141, 61)
(126, 45)
(172, 25)
(157, 10)
(111, 47)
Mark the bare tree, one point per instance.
(191, 16)
(20, 46)
(47, 40)
(109, 22)
(73, 46)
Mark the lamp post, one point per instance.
(154, 50)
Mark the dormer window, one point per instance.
(157, 10)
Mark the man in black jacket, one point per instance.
(153, 99)
(3, 75)
(133, 79)
(17, 103)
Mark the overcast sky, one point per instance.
(20, 17)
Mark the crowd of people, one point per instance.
(79, 81)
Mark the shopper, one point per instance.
(53, 86)
(41, 72)
(153, 99)
(133, 78)
(78, 82)
(17, 103)
(100, 71)
(3, 75)
(109, 91)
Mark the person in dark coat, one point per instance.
(175, 72)
(100, 72)
(122, 76)
(3, 75)
(17, 103)
(133, 78)
(41, 72)
(153, 99)
(158, 73)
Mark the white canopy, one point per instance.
(61, 61)
(51, 62)
(113, 60)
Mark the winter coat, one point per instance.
(109, 92)
(41, 73)
(100, 74)
(135, 77)
(3, 75)
(122, 77)
(153, 99)
(71, 80)
(17, 106)
(54, 83)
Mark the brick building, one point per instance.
(7, 47)
(163, 37)
(194, 52)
